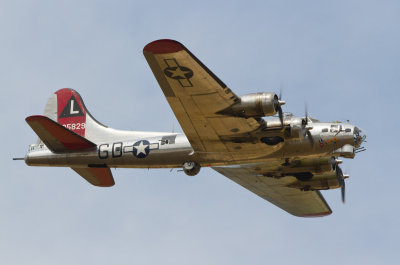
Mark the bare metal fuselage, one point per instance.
(169, 150)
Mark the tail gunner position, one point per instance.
(285, 160)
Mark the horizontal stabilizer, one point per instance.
(56, 137)
(101, 177)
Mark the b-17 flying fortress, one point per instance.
(284, 159)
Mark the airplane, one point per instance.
(282, 158)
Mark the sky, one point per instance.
(341, 57)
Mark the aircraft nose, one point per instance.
(359, 136)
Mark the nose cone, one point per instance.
(359, 136)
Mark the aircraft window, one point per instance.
(325, 130)
(348, 130)
(334, 128)
(168, 139)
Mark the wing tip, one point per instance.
(163, 46)
(311, 215)
(35, 118)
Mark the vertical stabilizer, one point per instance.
(67, 108)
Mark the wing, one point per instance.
(97, 176)
(277, 191)
(196, 95)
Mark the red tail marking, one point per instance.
(71, 112)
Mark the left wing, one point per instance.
(277, 191)
(196, 96)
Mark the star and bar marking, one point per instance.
(180, 73)
(141, 149)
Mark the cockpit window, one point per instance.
(325, 130)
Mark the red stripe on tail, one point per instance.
(71, 112)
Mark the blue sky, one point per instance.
(341, 57)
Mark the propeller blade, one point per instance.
(339, 175)
(280, 113)
(278, 102)
(304, 130)
(306, 112)
(340, 178)
(343, 190)
(304, 122)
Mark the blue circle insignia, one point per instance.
(141, 149)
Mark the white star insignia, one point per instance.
(141, 148)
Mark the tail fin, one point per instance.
(67, 108)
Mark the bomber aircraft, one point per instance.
(284, 159)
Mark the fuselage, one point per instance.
(170, 150)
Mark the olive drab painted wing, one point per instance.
(196, 95)
(278, 191)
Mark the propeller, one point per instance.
(278, 102)
(340, 177)
(305, 130)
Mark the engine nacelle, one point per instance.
(254, 105)
(321, 181)
(191, 168)
(296, 127)
(313, 174)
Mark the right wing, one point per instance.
(292, 200)
(196, 95)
